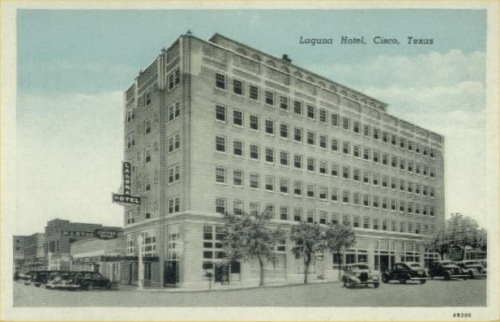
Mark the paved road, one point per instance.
(434, 293)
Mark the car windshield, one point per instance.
(415, 265)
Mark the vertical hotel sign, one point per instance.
(126, 197)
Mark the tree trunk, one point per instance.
(340, 265)
(307, 261)
(261, 280)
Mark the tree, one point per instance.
(338, 238)
(437, 243)
(249, 237)
(309, 239)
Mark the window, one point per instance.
(375, 179)
(393, 225)
(410, 145)
(322, 217)
(269, 127)
(335, 169)
(410, 166)
(283, 102)
(366, 222)
(366, 154)
(410, 187)
(322, 115)
(417, 148)
(346, 221)
(174, 205)
(402, 185)
(254, 122)
(130, 115)
(220, 144)
(376, 133)
(335, 145)
(346, 147)
(393, 183)
(238, 178)
(238, 87)
(311, 112)
(431, 192)
(375, 223)
(366, 177)
(375, 156)
(254, 152)
(335, 119)
(269, 98)
(335, 194)
(322, 141)
(254, 92)
(147, 155)
(393, 204)
(220, 81)
(284, 131)
(375, 203)
(432, 172)
(254, 180)
(394, 139)
(402, 163)
(297, 107)
(394, 161)
(417, 168)
(356, 174)
(385, 201)
(402, 143)
(220, 205)
(297, 161)
(311, 164)
(238, 207)
(284, 185)
(366, 130)
(322, 167)
(384, 224)
(269, 183)
(355, 198)
(284, 158)
(401, 206)
(147, 99)
(283, 213)
(220, 113)
(174, 111)
(311, 138)
(345, 172)
(310, 215)
(173, 174)
(366, 200)
(417, 209)
(147, 127)
(355, 221)
(130, 140)
(402, 226)
(323, 192)
(147, 183)
(270, 155)
(297, 188)
(385, 181)
(355, 127)
(310, 190)
(346, 123)
(238, 148)
(385, 137)
(355, 150)
(174, 78)
(297, 134)
(220, 175)
(335, 218)
(345, 196)
(238, 118)
(425, 151)
(385, 159)
(297, 214)
(432, 152)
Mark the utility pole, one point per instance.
(140, 271)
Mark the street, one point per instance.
(435, 293)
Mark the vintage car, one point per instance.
(405, 271)
(359, 274)
(41, 277)
(447, 270)
(81, 280)
(472, 267)
(60, 279)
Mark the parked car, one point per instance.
(359, 274)
(447, 270)
(61, 278)
(82, 280)
(41, 277)
(405, 271)
(472, 267)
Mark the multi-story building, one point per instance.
(19, 252)
(217, 126)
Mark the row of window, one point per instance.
(273, 99)
(221, 146)
(324, 217)
(222, 175)
(173, 206)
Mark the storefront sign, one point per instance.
(74, 233)
(105, 234)
(126, 199)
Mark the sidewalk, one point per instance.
(215, 287)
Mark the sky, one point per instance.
(74, 65)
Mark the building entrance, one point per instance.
(171, 276)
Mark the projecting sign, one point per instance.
(126, 197)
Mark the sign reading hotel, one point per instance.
(126, 197)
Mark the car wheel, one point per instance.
(402, 280)
(422, 281)
(446, 276)
(432, 276)
(376, 285)
(349, 284)
(90, 286)
(471, 274)
(385, 278)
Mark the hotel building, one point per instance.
(217, 126)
